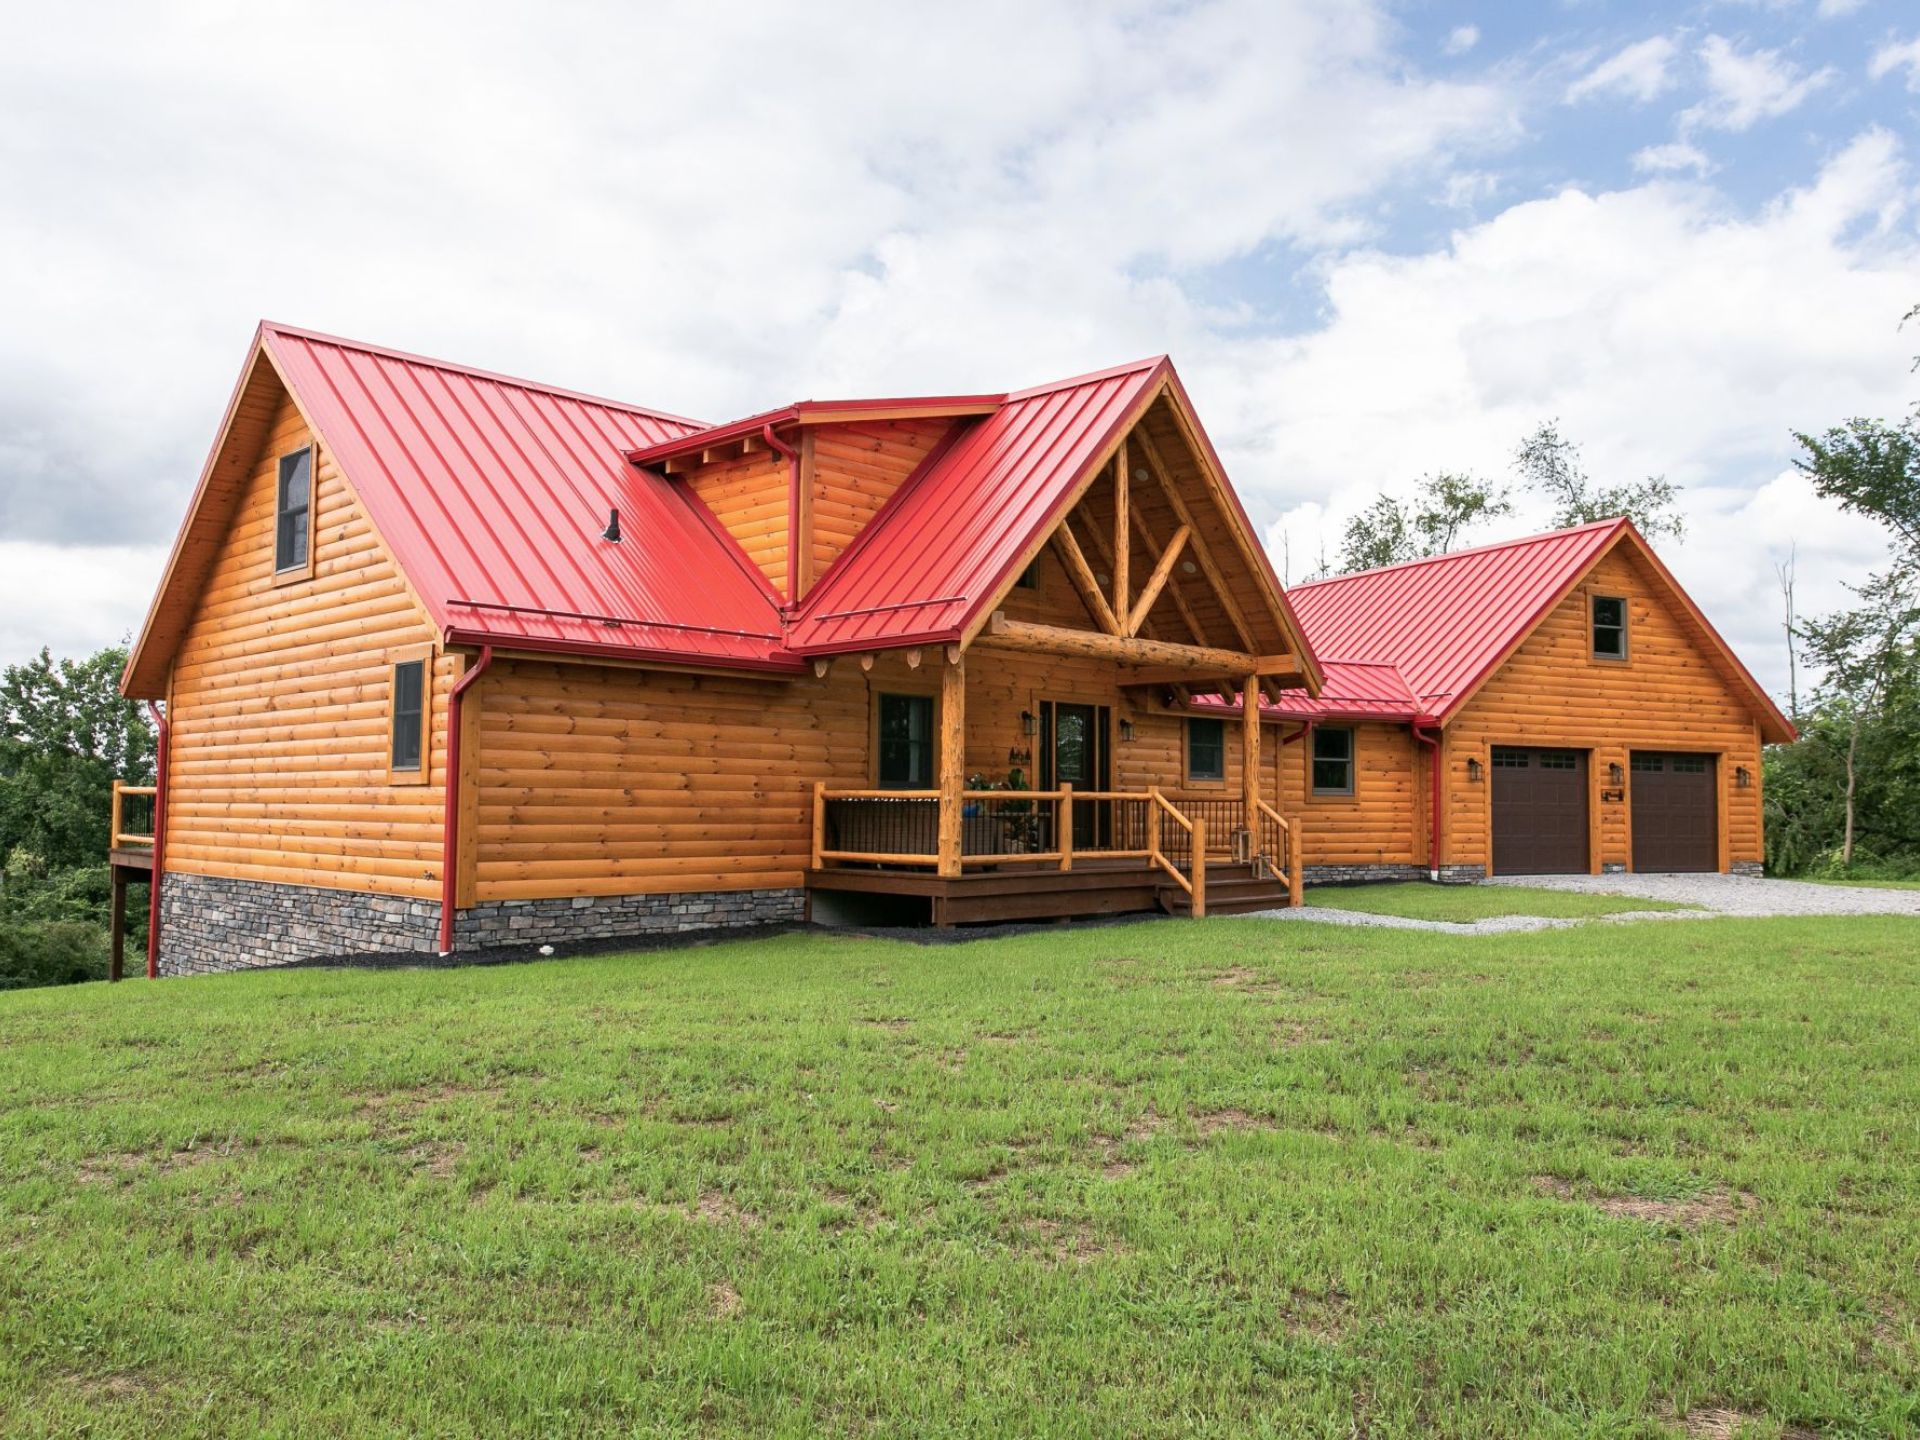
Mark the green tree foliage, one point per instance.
(1445, 506)
(1549, 465)
(65, 734)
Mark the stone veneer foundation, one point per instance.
(1355, 874)
(210, 924)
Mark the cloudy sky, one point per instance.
(1377, 238)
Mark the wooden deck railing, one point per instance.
(121, 836)
(1177, 834)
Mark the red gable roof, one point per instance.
(1446, 623)
(947, 541)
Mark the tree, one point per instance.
(1872, 468)
(65, 734)
(1549, 464)
(1391, 531)
(1863, 652)
(1785, 570)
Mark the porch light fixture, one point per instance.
(1473, 771)
(1126, 731)
(1187, 567)
(1743, 778)
(1615, 774)
(1026, 722)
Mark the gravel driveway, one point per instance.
(1734, 894)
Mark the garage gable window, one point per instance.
(1609, 627)
(1332, 762)
(292, 509)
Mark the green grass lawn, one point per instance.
(1230, 1178)
(1463, 903)
(1863, 884)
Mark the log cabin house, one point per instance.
(445, 661)
(451, 660)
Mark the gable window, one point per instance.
(1609, 627)
(1206, 749)
(1332, 761)
(905, 742)
(407, 718)
(292, 511)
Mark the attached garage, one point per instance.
(1675, 799)
(1539, 811)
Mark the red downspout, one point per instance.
(1432, 742)
(159, 837)
(450, 824)
(775, 443)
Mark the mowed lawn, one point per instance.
(1226, 1178)
(1460, 904)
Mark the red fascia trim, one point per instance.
(161, 748)
(450, 819)
(1432, 742)
(947, 636)
(781, 665)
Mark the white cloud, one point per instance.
(1668, 333)
(1744, 88)
(1666, 159)
(1834, 9)
(1897, 55)
(1461, 39)
(73, 598)
(1638, 72)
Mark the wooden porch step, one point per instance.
(1236, 893)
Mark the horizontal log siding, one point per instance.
(856, 469)
(1382, 823)
(279, 704)
(748, 495)
(1668, 696)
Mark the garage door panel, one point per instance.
(1676, 803)
(1539, 811)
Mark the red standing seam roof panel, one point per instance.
(492, 494)
(942, 546)
(1444, 623)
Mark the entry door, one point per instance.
(1539, 811)
(1675, 821)
(1077, 756)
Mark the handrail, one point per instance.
(1166, 805)
(120, 837)
(1290, 837)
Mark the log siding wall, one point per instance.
(279, 704)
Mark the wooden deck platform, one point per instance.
(1013, 894)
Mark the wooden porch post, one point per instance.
(953, 757)
(1250, 761)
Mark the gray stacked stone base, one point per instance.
(209, 924)
(1752, 869)
(1360, 874)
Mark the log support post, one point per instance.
(953, 759)
(1250, 762)
(1199, 876)
(819, 820)
(1063, 824)
(1122, 538)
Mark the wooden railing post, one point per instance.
(1250, 764)
(1063, 826)
(1153, 826)
(819, 820)
(1199, 867)
(114, 842)
(1294, 879)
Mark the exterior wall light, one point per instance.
(1743, 778)
(1474, 771)
(1615, 774)
(1126, 731)
(1026, 722)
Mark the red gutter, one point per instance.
(1432, 742)
(450, 823)
(159, 837)
(774, 442)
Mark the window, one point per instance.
(1206, 749)
(1029, 578)
(409, 715)
(1332, 762)
(1689, 764)
(292, 509)
(1649, 764)
(1504, 759)
(906, 742)
(1609, 627)
(1558, 760)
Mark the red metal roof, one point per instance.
(1446, 623)
(492, 494)
(941, 548)
(1354, 690)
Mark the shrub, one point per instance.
(56, 952)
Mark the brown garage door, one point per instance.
(1675, 812)
(1539, 811)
